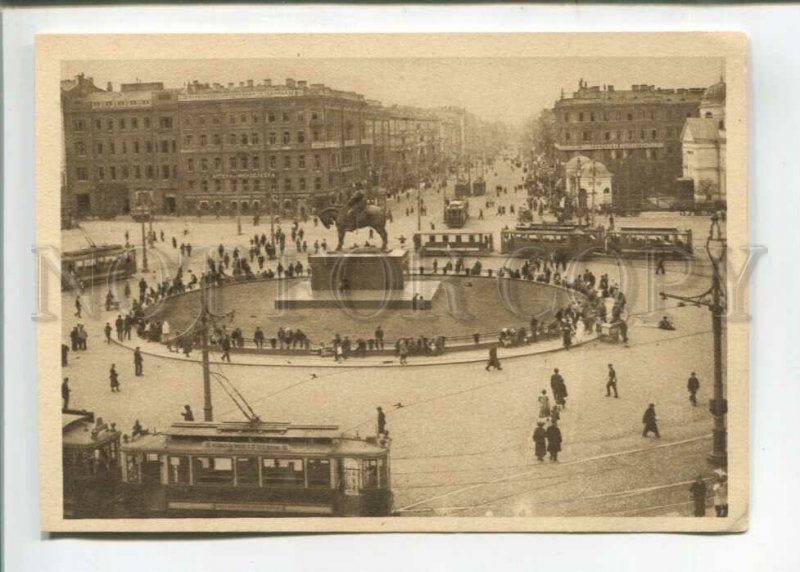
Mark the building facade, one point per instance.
(635, 133)
(214, 148)
(704, 144)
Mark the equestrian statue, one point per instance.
(354, 215)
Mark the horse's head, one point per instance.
(328, 216)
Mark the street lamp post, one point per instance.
(208, 408)
(716, 247)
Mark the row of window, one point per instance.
(630, 153)
(243, 162)
(124, 172)
(112, 147)
(630, 135)
(652, 114)
(123, 123)
(250, 139)
(254, 185)
(233, 118)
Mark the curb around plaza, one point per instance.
(359, 362)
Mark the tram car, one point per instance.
(255, 468)
(463, 189)
(456, 213)
(478, 187)
(96, 264)
(450, 243)
(90, 451)
(643, 241)
(566, 240)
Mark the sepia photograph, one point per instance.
(468, 283)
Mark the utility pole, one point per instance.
(144, 248)
(239, 202)
(716, 246)
(208, 408)
(594, 190)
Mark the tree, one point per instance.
(539, 134)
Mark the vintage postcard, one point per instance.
(479, 282)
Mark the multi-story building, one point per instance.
(635, 133)
(704, 142)
(214, 148)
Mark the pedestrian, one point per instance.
(721, 495)
(64, 352)
(698, 490)
(540, 441)
(559, 389)
(402, 348)
(107, 330)
(78, 306)
(113, 378)
(226, 348)
(544, 405)
(258, 337)
(553, 434)
(379, 338)
(660, 266)
(650, 421)
(693, 385)
(494, 361)
(138, 362)
(381, 421)
(612, 382)
(119, 324)
(187, 413)
(65, 391)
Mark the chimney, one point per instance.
(249, 83)
(230, 84)
(109, 86)
(267, 83)
(241, 84)
(302, 83)
(610, 88)
(289, 82)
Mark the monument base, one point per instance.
(301, 296)
(359, 269)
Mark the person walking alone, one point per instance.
(138, 362)
(693, 385)
(381, 421)
(65, 391)
(721, 496)
(494, 361)
(113, 378)
(650, 421)
(107, 330)
(612, 382)
(698, 490)
(559, 389)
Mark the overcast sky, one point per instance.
(505, 89)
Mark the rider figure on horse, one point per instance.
(355, 205)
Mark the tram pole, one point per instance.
(208, 408)
(144, 249)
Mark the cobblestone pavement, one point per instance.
(461, 436)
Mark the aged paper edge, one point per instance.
(51, 50)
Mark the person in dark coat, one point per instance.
(64, 352)
(187, 413)
(540, 441)
(559, 388)
(693, 385)
(494, 361)
(381, 421)
(612, 381)
(553, 434)
(113, 378)
(650, 421)
(226, 348)
(698, 490)
(107, 329)
(65, 391)
(138, 362)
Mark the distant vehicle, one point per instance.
(447, 243)
(641, 241)
(478, 187)
(524, 215)
(256, 468)
(456, 213)
(97, 264)
(463, 189)
(528, 239)
(90, 452)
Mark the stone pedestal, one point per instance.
(365, 269)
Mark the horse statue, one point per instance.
(349, 219)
